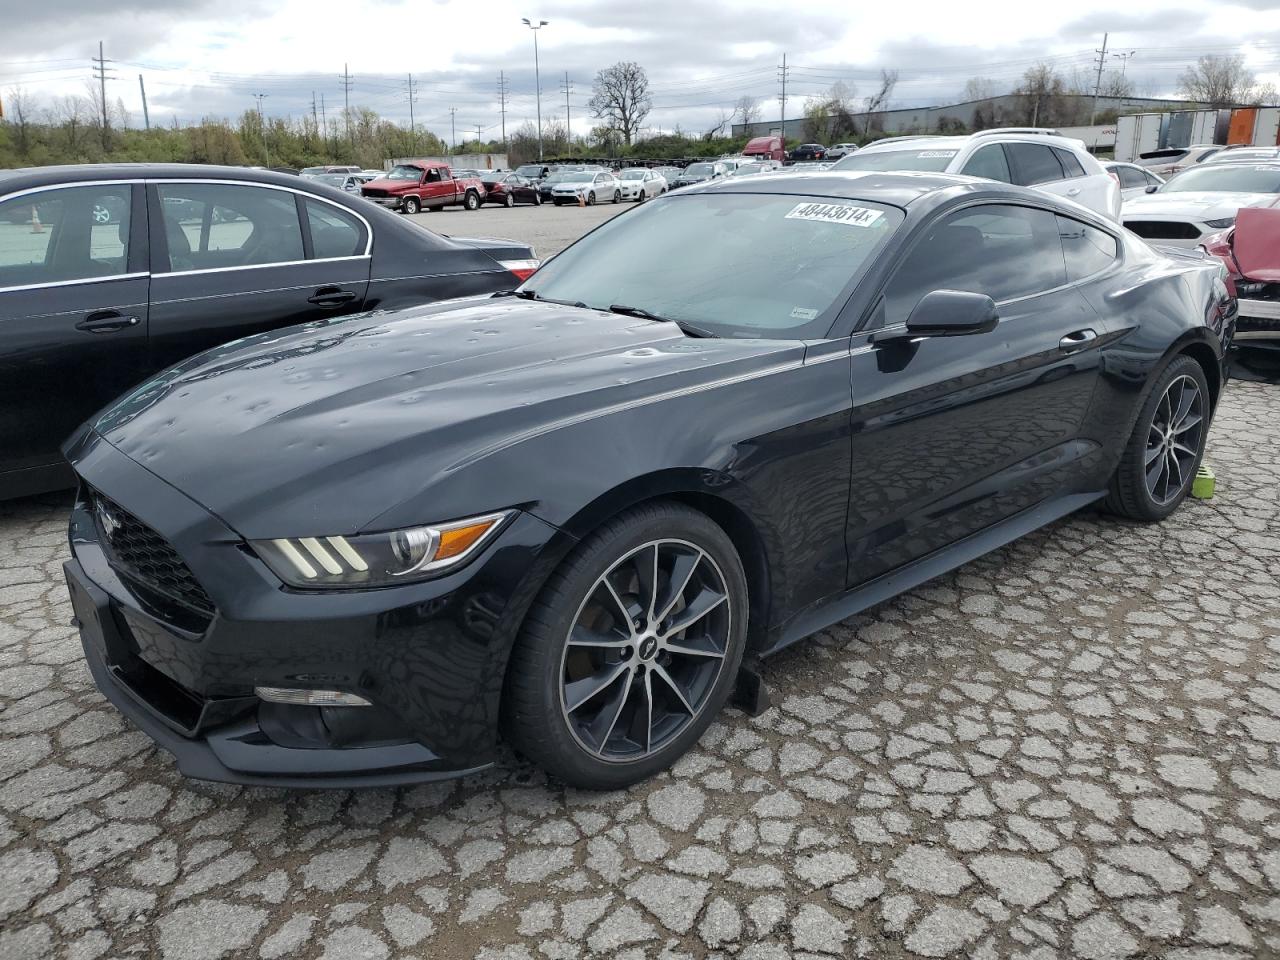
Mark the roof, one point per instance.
(74, 173)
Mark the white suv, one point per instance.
(1027, 156)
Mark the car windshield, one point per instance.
(907, 158)
(333, 179)
(310, 171)
(746, 169)
(1226, 178)
(698, 170)
(737, 265)
(404, 172)
(557, 178)
(493, 177)
(633, 174)
(529, 170)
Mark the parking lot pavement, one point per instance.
(548, 228)
(1068, 748)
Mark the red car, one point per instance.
(508, 189)
(1251, 252)
(424, 185)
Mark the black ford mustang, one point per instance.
(112, 272)
(353, 553)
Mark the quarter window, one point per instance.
(1033, 163)
(334, 232)
(71, 233)
(1070, 165)
(989, 162)
(1131, 177)
(1003, 251)
(211, 225)
(1087, 249)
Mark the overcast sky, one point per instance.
(209, 57)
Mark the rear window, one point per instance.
(739, 265)
(1226, 177)
(916, 158)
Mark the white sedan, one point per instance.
(589, 187)
(641, 184)
(1202, 200)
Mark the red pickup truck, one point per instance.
(421, 185)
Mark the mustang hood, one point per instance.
(320, 429)
(1193, 205)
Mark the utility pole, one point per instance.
(100, 73)
(346, 102)
(324, 125)
(262, 126)
(537, 74)
(146, 117)
(502, 105)
(477, 136)
(782, 75)
(568, 128)
(1097, 85)
(413, 131)
(453, 130)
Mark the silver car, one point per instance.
(641, 184)
(588, 187)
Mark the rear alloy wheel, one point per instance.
(1167, 444)
(631, 650)
(508, 201)
(411, 205)
(471, 201)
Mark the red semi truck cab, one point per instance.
(423, 185)
(765, 148)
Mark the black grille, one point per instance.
(1163, 229)
(373, 192)
(142, 555)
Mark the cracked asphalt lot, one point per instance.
(1070, 747)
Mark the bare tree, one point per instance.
(70, 113)
(22, 113)
(873, 107)
(717, 129)
(748, 110)
(620, 97)
(1220, 81)
(979, 88)
(1042, 94)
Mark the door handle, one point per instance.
(329, 297)
(1077, 341)
(106, 321)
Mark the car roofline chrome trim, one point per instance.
(368, 244)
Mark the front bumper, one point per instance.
(429, 657)
(1259, 320)
(391, 203)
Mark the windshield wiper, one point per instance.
(687, 328)
(534, 295)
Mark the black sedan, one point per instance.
(355, 552)
(808, 152)
(509, 189)
(109, 273)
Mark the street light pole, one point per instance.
(537, 73)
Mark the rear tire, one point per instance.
(411, 205)
(471, 201)
(655, 692)
(1164, 451)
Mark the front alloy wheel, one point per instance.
(631, 649)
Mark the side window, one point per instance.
(1070, 165)
(1130, 177)
(334, 232)
(1087, 249)
(1152, 179)
(989, 162)
(1033, 163)
(71, 233)
(210, 225)
(1003, 251)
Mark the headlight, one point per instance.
(378, 559)
(1220, 224)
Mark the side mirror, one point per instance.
(1152, 188)
(945, 313)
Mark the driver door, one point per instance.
(953, 434)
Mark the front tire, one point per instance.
(617, 196)
(591, 199)
(509, 201)
(1164, 451)
(411, 205)
(630, 650)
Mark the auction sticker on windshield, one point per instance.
(834, 213)
(937, 154)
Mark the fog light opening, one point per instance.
(310, 698)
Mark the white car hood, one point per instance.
(1192, 205)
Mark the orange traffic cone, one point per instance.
(35, 221)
